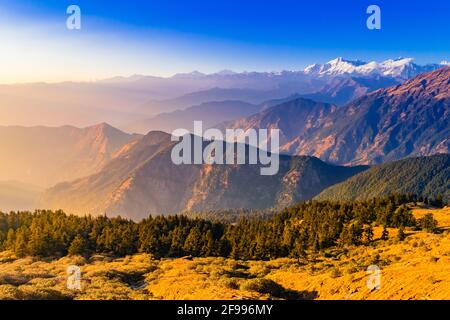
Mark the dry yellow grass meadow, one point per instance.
(416, 268)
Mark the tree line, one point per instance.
(307, 226)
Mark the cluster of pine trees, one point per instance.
(307, 226)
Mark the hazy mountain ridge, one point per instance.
(18, 196)
(46, 155)
(123, 100)
(210, 113)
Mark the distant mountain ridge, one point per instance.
(124, 100)
(44, 156)
(210, 113)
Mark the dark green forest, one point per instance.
(427, 176)
(306, 227)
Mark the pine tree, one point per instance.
(368, 234)
(20, 245)
(208, 245)
(403, 217)
(193, 244)
(439, 202)
(428, 223)
(176, 246)
(79, 246)
(10, 240)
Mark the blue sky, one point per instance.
(163, 37)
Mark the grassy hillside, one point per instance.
(425, 176)
(416, 268)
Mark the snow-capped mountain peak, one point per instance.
(226, 72)
(193, 74)
(400, 68)
(342, 61)
(334, 67)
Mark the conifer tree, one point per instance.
(368, 234)
(79, 246)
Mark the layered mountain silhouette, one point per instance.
(294, 118)
(124, 100)
(210, 113)
(424, 176)
(44, 156)
(100, 169)
(143, 180)
(389, 124)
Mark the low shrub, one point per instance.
(264, 286)
(335, 273)
(230, 283)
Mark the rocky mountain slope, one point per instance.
(143, 180)
(405, 120)
(294, 119)
(389, 124)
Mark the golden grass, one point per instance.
(417, 268)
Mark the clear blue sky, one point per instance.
(163, 37)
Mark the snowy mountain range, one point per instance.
(400, 69)
(124, 100)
